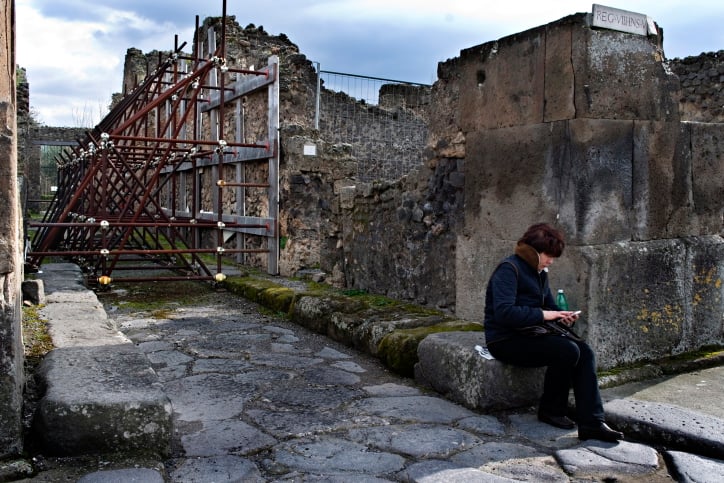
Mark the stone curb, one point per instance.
(101, 394)
(671, 426)
(385, 329)
(393, 334)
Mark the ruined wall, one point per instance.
(388, 237)
(11, 268)
(366, 229)
(702, 77)
(580, 127)
(407, 227)
(562, 123)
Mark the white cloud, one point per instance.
(74, 54)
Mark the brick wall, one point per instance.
(702, 77)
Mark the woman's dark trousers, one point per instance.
(569, 364)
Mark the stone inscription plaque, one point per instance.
(622, 20)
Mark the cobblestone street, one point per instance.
(257, 398)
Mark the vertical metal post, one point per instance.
(273, 241)
(318, 96)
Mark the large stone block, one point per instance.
(678, 173)
(474, 263)
(707, 154)
(502, 83)
(449, 364)
(595, 180)
(102, 399)
(662, 181)
(577, 173)
(706, 261)
(559, 72)
(622, 76)
(646, 300)
(512, 178)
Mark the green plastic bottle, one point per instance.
(561, 300)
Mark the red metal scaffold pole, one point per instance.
(122, 196)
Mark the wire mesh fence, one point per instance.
(382, 120)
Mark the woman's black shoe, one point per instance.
(601, 432)
(558, 421)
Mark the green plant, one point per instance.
(36, 338)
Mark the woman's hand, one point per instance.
(567, 317)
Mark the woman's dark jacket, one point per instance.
(516, 295)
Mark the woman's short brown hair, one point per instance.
(545, 239)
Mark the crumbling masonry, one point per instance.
(586, 128)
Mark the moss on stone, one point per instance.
(706, 357)
(248, 287)
(278, 299)
(398, 349)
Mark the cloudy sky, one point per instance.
(73, 50)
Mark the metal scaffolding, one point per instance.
(134, 191)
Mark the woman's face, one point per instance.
(544, 261)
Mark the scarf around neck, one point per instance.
(529, 254)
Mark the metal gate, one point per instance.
(163, 177)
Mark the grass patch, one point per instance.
(36, 338)
(159, 298)
(372, 300)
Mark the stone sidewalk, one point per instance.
(253, 397)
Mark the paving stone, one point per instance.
(131, 475)
(330, 376)
(528, 469)
(222, 366)
(482, 424)
(494, 451)
(528, 426)
(228, 436)
(168, 358)
(284, 360)
(288, 424)
(286, 348)
(392, 389)
(208, 397)
(416, 441)
(325, 455)
(219, 469)
(421, 409)
(304, 396)
(329, 353)
(437, 471)
(607, 460)
(691, 468)
(349, 366)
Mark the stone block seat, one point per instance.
(449, 364)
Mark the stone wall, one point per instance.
(702, 77)
(11, 268)
(561, 123)
(589, 138)
(387, 237)
(408, 227)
